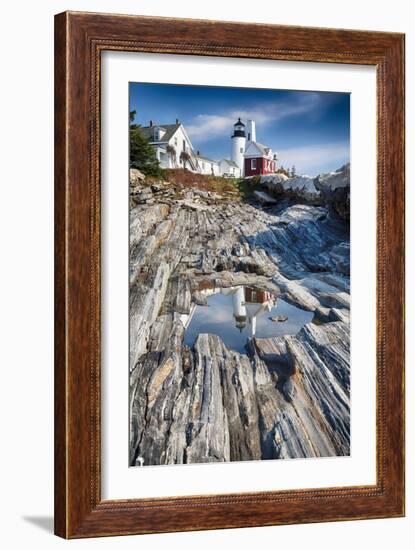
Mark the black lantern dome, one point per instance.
(239, 129)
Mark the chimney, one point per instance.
(151, 123)
(198, 153)
(177, 121)
(251, 130)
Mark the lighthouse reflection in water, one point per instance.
(239, 313)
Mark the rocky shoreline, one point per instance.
(288, 396)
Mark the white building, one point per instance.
(208, 166)
(172, 145)
(229, 168)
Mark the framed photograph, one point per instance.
(229, 275)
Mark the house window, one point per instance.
(184, 145)
(175, 141)
(241, 150)
(253, 164)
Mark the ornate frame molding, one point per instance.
(79, 40)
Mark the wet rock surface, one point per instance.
(289, 396)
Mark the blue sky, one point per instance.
(308, 129)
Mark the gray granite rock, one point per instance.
(331, 190)
(335, 190)
(264, 198)
(136, 177)
(295, 188)
(287, 397)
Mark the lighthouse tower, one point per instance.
(238, 144)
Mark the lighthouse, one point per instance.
(238, 144)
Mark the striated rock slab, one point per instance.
(306, 412)
(289, 397)
(290, 400)
(211, 412)
(331, 343)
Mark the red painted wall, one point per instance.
(263, 166)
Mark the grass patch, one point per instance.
(233, 188)
(189, 180)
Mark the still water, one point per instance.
(239, 313)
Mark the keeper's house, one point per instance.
(172, 145)
(259, 159)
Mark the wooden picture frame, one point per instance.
(79, 40)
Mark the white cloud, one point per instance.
(204, 127)
(313, 159)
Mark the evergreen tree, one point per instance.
(142, 154)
